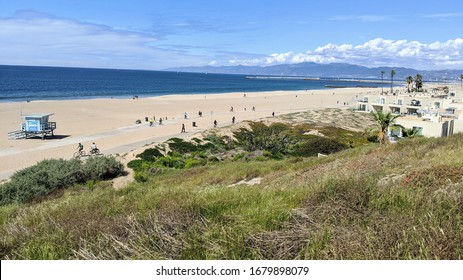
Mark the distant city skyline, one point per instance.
(156, 35)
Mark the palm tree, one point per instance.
(409, 82)
(418, 82)
(409, 132)
(382, 78)
(384, 121)
(392, 78)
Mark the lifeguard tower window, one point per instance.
(34, 125)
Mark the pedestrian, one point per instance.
(215, 123)
(273, 114)
(151, 121)
(183, 128)
(231, 109)
(233, 119)
(185, 116)
(253, 108)
(160, 121)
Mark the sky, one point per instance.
(160, 34)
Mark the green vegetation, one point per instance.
(260, 142)
(384, 121)
(392, 80)
(51, 175)
(402, 201)
(419, 82)
(409, 83)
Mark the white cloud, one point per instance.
(363, 18)
(444, 15)
(377, 52)
(32, 38)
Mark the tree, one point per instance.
(382, 78)
(384, 121)
(392, 79)
(409, 82)
(419, 82)
(409, 132)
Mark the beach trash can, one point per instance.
(194, 124)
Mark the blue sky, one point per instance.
(142, 34)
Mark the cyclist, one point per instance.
(80, 147)
(94, 148)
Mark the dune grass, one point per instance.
(401, 201)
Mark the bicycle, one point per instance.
(94, 152)
(79, 154)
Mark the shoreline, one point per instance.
(110, 122)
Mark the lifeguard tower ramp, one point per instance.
(34, 125)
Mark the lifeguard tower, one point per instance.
(34, 125)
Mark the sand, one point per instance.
(110, 123)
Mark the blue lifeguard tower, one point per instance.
(34, 125)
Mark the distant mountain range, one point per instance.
(341, 70)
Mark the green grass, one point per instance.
(401, 201)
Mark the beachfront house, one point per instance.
(434, 114)
(34, 125)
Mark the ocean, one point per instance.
(27, 83)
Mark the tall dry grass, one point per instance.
(400, 201)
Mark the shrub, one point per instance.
(170, 161)
(191, 162)
(41, 179)
(180, 146)
(102, 168)
(275, 138)
(135, 164)
(317, 145)
(50, 175)
(150, 154)
(141, 178)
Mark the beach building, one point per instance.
(438, 113)
(34, 125)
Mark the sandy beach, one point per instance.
(110, 123)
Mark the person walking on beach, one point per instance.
(273, 114)
(183, 128)
(160, 121)
(233, 119)
(215, 123)
(151, 121)
(231, 109)
(186, 116)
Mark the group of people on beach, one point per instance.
(152, 120)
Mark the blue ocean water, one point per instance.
(20, 83)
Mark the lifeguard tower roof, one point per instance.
(37, 116)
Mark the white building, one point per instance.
(434, 114)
